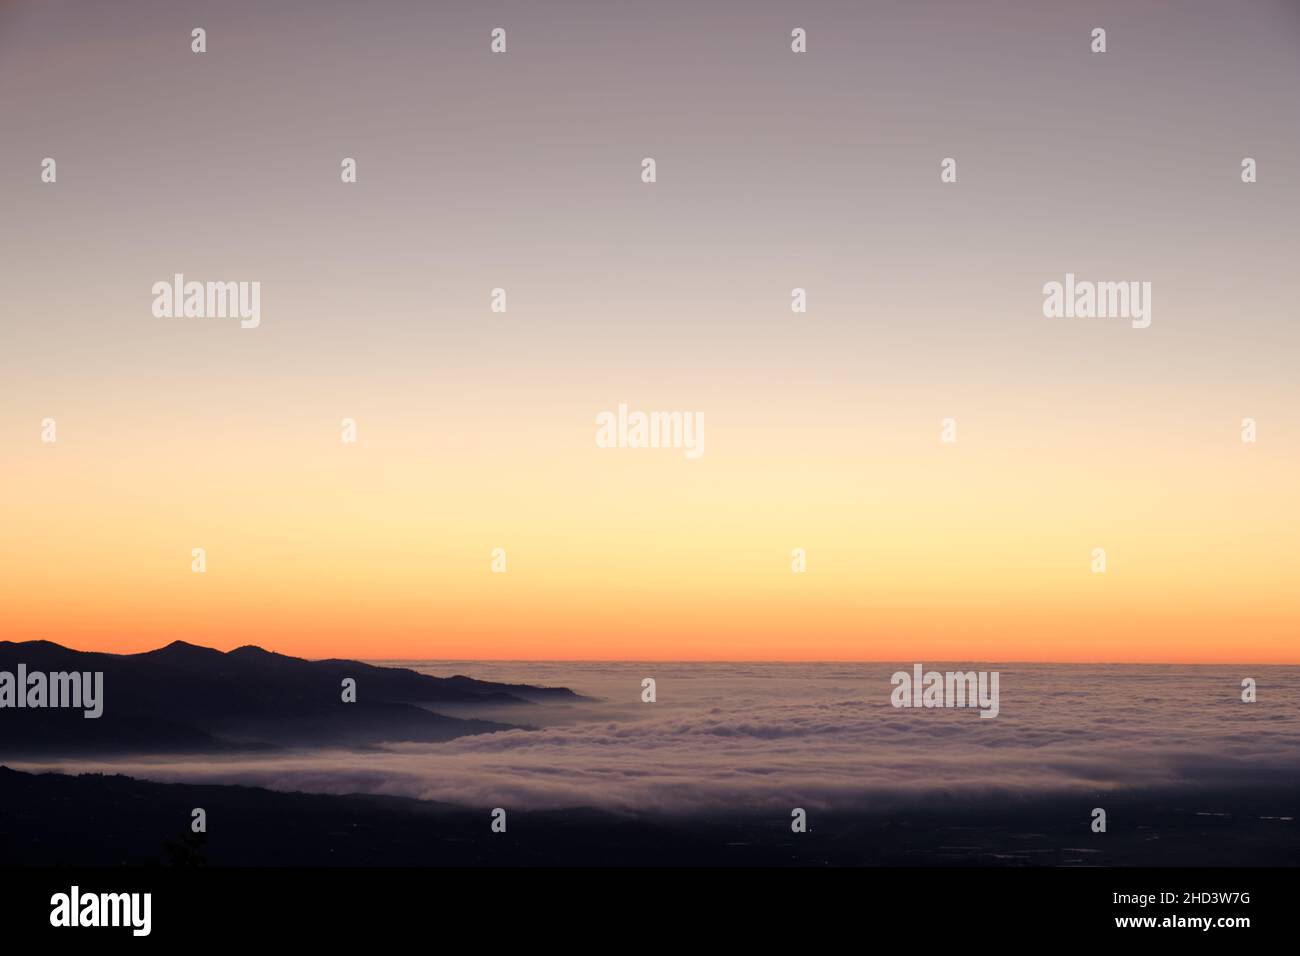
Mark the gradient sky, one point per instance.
(476, 430)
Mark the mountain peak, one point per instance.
(252, 650)
(181, 648)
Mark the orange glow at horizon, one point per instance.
(916, 550)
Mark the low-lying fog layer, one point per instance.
(733, 737)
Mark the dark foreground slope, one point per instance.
(184, 698)
(54, 819)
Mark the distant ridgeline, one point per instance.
(183, 698)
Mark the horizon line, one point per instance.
(681, 660)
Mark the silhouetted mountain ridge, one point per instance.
(184, 697)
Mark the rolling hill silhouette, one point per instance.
(91, 819)
(186, 698)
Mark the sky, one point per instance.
(775, 170)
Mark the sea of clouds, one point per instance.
(733, 738)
